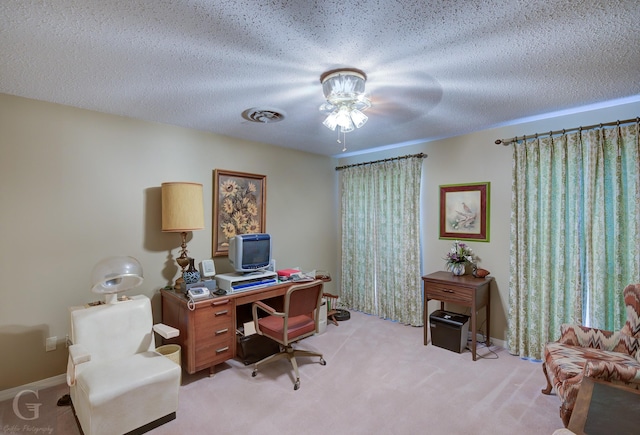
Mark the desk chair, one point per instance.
(300, 319)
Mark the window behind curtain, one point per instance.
(575, 226)
(381, 239)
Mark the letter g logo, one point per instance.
(32, 407)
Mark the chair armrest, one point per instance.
(166, 331)
(78, 354)
(266, 308)
(628, 345)
(583, 336)
(612, 371)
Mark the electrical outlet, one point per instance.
(51, 343)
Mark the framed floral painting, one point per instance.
(464, 211)
(239, 207)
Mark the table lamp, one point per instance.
(182, 211)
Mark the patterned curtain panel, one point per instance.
(575, 226)
(381, 240)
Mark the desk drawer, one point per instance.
(448, 293)
(211, 334)
(214, 352)
(214, 322)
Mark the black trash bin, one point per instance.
(449, 330)
(253, 348)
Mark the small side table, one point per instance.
(465, 290)
(605, 408)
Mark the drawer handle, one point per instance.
(223, 302)
(224, 349)
(446, 290)
(222, 313)
(222, 331)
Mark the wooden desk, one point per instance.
(465, 290)
(208, 332)
(605, 408)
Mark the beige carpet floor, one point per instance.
(379, 379)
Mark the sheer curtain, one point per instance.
(575, 227)
(381, 239)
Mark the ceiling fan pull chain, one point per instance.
(343, 141)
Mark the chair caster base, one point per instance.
(322, 362)
(296, 385)
(254, 373)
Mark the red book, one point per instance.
(287, 272)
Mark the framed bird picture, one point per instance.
(464, 211)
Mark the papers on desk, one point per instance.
(302, 280)
(249, 328)
(296, 275)
(303, 276)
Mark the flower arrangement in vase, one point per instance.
(458, 257)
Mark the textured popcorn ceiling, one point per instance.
(435, 68)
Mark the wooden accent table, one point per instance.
(605, 408)
(208, 332)
(465, 290)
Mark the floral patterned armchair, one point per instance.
(594, 353)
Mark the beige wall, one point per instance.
(476, 158)
(77, 186)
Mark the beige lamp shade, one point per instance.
(182, 207)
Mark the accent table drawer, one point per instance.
(450, 293)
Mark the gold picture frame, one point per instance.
(239, 207)
(464, 211)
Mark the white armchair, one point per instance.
(118, 382)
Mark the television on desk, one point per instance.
(250, 252)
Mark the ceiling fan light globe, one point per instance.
(331, 121)
(347, 128)
(343, 82)
(343, 117)
(359, 119)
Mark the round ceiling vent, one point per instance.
(263, 115)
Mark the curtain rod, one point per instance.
(506, 142)
(408, 156)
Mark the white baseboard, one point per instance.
(38, 385)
